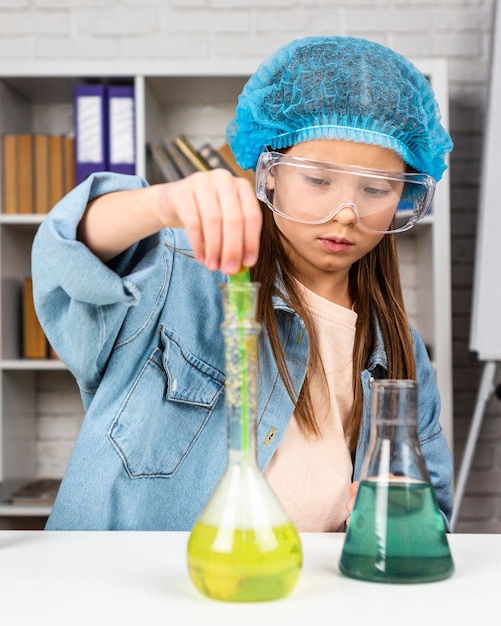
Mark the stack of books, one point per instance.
(176, 158)
(38, 170)
(104, 128)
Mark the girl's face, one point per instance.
(321, 250)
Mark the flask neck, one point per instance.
(394, 449)
(241, 415)
(241, 331)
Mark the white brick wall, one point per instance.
(458, 30)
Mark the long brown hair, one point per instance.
(376, 290)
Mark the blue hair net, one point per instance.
(339, 88)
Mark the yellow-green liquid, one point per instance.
(249, 572)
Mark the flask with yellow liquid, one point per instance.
(243, 547)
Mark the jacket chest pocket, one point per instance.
(165, 410)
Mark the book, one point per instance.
(183, 164)
(25, 173)
(227, 155)
(163, 161)
(34, 340)
(213, 158)
(191, 153)
(56, 168)
(41, 173)
(38, 170)
(121, 129)
(69, 176)
(9, 160)
(90, 129)
(52, 353)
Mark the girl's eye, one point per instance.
(377, 192)
(316, 181)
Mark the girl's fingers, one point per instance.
(253, 223)
(239, 209)
(352, 493)
(210, 219)
(221, 216)
(190, 220)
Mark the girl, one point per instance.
(347, 144)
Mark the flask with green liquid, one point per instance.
(396, 532)
(243, 547)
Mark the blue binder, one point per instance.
(121, 129)
(91, 130)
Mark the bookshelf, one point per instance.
(196, 100)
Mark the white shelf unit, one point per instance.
(197, 100)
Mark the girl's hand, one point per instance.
(351, 501)
(221, 216)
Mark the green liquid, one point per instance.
(396, 535)
(252, 570)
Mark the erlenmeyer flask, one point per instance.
(396, 532)
(243, 547)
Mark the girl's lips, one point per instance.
(336, 245)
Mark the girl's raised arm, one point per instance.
(219, 211)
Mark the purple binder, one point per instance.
(121, 129)
(91, 130)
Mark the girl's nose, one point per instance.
(346, 213)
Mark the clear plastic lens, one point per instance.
(313, 192)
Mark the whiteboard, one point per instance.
(485, 330)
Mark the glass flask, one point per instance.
(396, 532)
(243, 547)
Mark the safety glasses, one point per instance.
(314, 192)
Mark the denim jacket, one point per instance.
(141, 335)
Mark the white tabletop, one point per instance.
(140, 578)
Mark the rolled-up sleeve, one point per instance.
(81, 302)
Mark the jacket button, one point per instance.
(270, 436)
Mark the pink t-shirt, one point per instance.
(309, 475)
